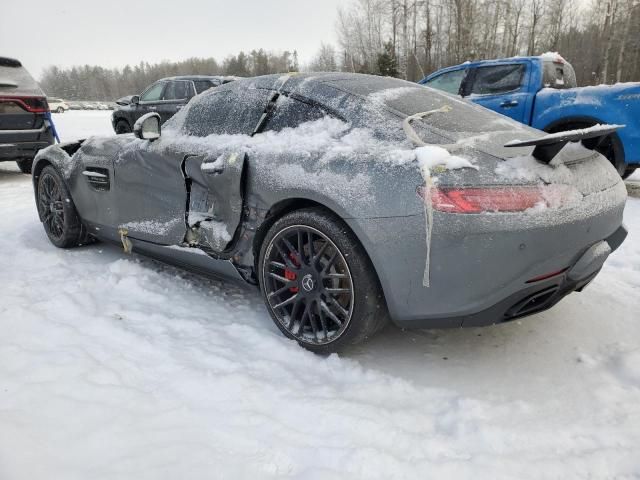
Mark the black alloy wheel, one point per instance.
(57, 211)
(319, 286)
(51, 205)
(308, 284)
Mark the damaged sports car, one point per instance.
(349, 200)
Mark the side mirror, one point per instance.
(135, 100)
(147, 127)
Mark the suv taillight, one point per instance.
(30, 104)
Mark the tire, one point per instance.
(57, 211)
(122, 126)
(327, 298)
(60, 110)
(25, 165)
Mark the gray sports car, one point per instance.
(349, 200)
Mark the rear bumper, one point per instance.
(20, 150)
(20, 144)
(544, 294)
(481, 267)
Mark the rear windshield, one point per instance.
(463, 117)
(558, 75)
(17, 81)
(464, 122)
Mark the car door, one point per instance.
(175, 191)
(501, 88)
(450, 81)
(215, 177)
(176, 94)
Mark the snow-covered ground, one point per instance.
(115, 366)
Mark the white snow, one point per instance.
(151, 226)
(430, 156)
(115, 366)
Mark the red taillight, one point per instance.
(30, 104)
(491, 199)
(499, 199)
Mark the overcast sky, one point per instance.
(115, 32)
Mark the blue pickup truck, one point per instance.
(542, 92)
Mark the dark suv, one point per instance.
(25, 122)
(166, 97)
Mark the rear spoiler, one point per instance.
(548, 146)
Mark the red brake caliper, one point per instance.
(290, 275)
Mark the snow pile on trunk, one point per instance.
(430, 156)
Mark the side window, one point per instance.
(290, 113)
(232, 112)
(153, 93)
(176, 90)
(448, 82)
(497, 79)
(202, 85)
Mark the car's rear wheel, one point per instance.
(122, 126)
(318, 283)
(57, 211)
(60, 110)
(25, 164)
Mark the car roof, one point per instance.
(221, 78)
(545, 57)
(15, 79)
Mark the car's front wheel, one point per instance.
(60, 110)
(57, 211)
(122, 126)
(318, 283)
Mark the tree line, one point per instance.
(93, 82)
(410, 39)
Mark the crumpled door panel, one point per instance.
(215, 200)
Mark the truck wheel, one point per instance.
(629, 171)
(25, 165)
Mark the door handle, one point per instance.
(509, 103)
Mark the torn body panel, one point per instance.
(215, 198)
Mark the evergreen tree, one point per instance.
(387, 62)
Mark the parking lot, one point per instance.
(182, 377)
